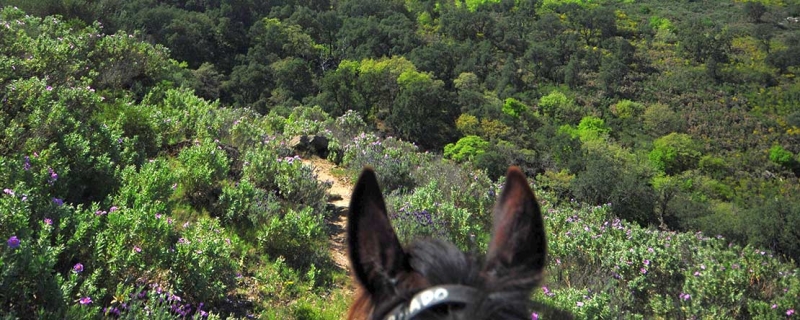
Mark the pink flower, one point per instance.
(47, 221)
(78, 268)
(85, 300)
(137, 249)
(534, 316)
(789, 312)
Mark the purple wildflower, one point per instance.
(137, 249)
(85, 300)
(8, 191)
(100, 212)
(113, 208)
(53, 176)
(534, 316)
(78, 268)
(13, 242)
(58, 202)
(27, 163)
(685, 296)
(789, 312)
(579, 303)
(774, 306)
(48, 222)
(643, 270)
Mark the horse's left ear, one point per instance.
(518, 242)
(376, 255)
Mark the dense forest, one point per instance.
(146, 164)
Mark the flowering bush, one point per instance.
(204, 265)
(204, 165)
(287, 176)
(662, 274)
(299, 237)
(426, 212)
(393, 160)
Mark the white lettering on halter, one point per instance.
(426, 298)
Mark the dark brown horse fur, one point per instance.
(389, 275)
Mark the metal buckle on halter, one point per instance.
(433, 296)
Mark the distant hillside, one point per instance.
(151, 173)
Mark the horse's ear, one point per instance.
(518, 241)
(376, 256)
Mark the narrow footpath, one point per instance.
(340, 200)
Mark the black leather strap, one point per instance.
(433, 296)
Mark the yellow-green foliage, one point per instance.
(555, 3)
(493, 128)
(627, 109)
(473, 5)
(514, 107)
(765, 2)
(468, 124)
(467, 148)
(591, 128)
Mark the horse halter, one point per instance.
(433, 296)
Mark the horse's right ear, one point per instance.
(376, 256)
(518, 241)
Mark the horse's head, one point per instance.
(433, 279)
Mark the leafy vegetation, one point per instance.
(147, 168)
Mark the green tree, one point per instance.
(466, 149)
(700, 42)
(674, 153)
(754, 10)
(422, 111)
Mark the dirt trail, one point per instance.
(340, 199)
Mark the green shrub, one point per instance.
(393, 160)
(293, 181)
(203, 166)
(298, 237)
(674, 153)
(514, 107)
(466, 149)
(205, 264)
(781, 156)
(246, 206)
